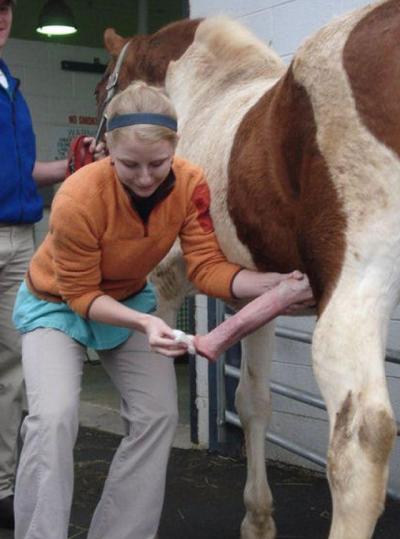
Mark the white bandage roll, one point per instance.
(181, 336)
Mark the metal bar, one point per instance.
(392, 356)
(194, 413)
(233, 419)
(233, 372)
(142, 24)
(284, 390)
(221, 389)
(290, 392)
(300, 396)
(185, 9)
(83, 67)
(214, 385)
(299, 450)
(293, 334)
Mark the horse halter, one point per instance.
(111, 89)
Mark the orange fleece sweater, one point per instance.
(97, 244)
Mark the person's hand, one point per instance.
(98, 150)
(299, 283)
(162, 339)
(251, 284)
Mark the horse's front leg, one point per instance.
(253, 404)
(348, 354)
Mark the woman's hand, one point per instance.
(250, 284)
(300, 284)
(162, 339)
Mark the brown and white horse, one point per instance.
(303, 165)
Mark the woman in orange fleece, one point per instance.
(111, 223)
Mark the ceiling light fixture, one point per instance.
(56, 19)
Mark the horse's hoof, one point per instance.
(266, 530)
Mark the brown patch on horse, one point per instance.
(342, 434)
(375, 81)
(280, 196)
(377, 434)
(344, 418)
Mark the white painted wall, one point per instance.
(284, 24)
(53, 95)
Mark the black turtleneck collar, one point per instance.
(144, 205)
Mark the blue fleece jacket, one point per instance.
(20, 201)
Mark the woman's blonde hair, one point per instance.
(140, 97)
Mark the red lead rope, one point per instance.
(78, 155)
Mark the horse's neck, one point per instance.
(198, 81)
(223, 56)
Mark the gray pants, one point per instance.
(16, 248)
(132, 498)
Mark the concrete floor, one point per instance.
(204, 495)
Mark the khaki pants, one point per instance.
(132, 499)
(16, 249)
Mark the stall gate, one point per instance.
(225, 434)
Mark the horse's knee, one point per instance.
(252, 401)
(377, 434)
(362, 432)
(252, 394)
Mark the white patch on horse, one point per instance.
(211, 104)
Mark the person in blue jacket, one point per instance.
(20, 207)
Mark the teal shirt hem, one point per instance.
(31, 313)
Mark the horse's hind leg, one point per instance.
(253, 405)
(348, 354)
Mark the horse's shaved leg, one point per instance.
(254, 315)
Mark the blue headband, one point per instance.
(125, 120)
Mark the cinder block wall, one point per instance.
(282, 23)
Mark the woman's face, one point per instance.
(142, 166)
